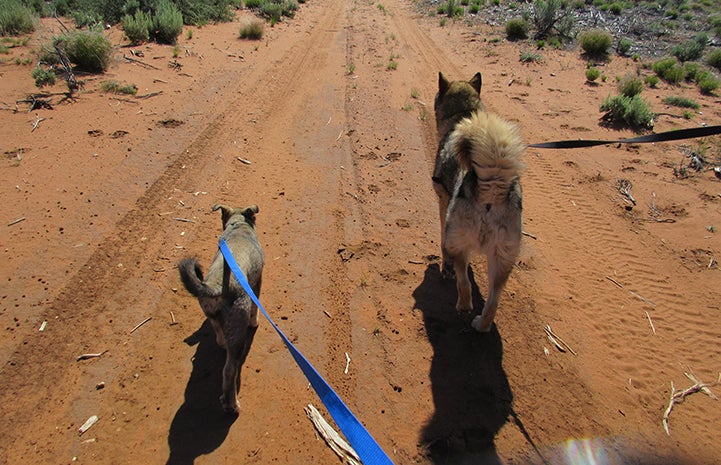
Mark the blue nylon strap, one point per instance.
(365, 446)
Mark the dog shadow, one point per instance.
(471, 393)
(200, 425)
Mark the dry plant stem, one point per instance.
(679, 396)
(331, 437)
(653, 328)
(87, 356)
(22, 218)
(554, 337)
(141, 324)
(141, 63)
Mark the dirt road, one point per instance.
(333, 110)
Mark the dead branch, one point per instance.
(653, 328)
(22, 218)
(141, 324)
(37, 122)
(88, 356)
(678, 397)
(331, 437)
(152, 94)
(553, 337)
(624, 187)
(529, 235)
(141, 63)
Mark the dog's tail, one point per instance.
(192, 276)
(492, 147)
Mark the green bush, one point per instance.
(595, 42)
(115, 87)
(632, 111)
(690, 50)
(15, 18)
(252, 30)
(708, 83)
(592, 73)
(669, 70)
(517, 29)
(651, 81)
(546, 16)
(167, 22)
(691, 70)
(683, 102)
(713, 59)
(623, 47)
(43, 77)
(630, 85)
(88, 50)
(137, 27)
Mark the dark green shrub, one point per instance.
(252, 4)
(167, 23)
(15, 18)
(651, 81)
(546, 16)
(88, 50)
(708, 83)
(137, 27)
(115, 87)
(592, 73)
(631, 111)
(669, 70)
(683, 102)
(517, 29)
(43, 77)
(713, 59)
(623, 47)
(630, 85)
(595, 42)
(690, 49)
(252, 30)
(616, 8)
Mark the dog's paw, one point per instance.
(478, 325)
(447, 272)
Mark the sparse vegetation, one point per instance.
(669, 70)
(167, 23)
(623, 47)
(713, 59)
(630, 85)
(15, 18)
(43, 77)
(251, 30)
(631, 111)
(595, 42)
(114, 87)
(651, 81)
(682, 102)
(708, 83)
(88, 50)
(517, 29)
(530, 57)
(550, 17)
(137, 27)
(592, 73)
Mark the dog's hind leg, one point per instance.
(231, 382)
(443, 201)
(500, 266)
(463, 282)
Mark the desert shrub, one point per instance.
(595, 42)
(691, 70)
(530, 57)
(252, 30)
(517, 29)
(616, 8)
(630, 85)
(15, 18)
(708, 83)
(87, 19)
(113, 86)
(167, 22)
(690, 49)
(592, 73)
(632, 111)
(253, 4)
(651, 81)
(203, 11)
(474, 8)
(88, 50)
(546, 16)
(137, 27)
(682, 102)
(713, 59)
(623, 46)
(669, 70)
(43, 77)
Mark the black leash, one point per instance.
(660, 137)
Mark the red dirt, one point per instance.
(341, 158)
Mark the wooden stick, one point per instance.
(529, 235)
(22, 218)
(331, 437)
(37, 121)
(172, 319)
(141, 324)
(184, 220)
(347, 363)
(550, 332)
(679, 396)
(87, 356)
(651, 323)
(141, 63)
(614, 281)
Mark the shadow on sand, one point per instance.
(200, 425)
(472, 397)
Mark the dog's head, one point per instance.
(232, 215)
(456, 100)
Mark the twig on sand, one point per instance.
(141, 63)
(653, 328)
(624, 187)
(331, 437)
(151, 94)
(529, 235)
(560, 343)
(638, 296)
(22, 218)
(679, 396)
(172, 319)
(141, 324)
(347, 363)
(88, 356)
(37, 122)
(243, 160)
(88, 424)
(184, 220)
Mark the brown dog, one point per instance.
(231, 311)
(476, 177)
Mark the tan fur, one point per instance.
(232, 313)
(476, 177)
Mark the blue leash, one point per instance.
(365, 446)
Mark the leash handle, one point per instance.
(660, 137)
(365, 446)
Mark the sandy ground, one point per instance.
(113, 190)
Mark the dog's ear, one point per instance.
(249, 214)
(443, 84)
(225, 211)
(476, 82)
